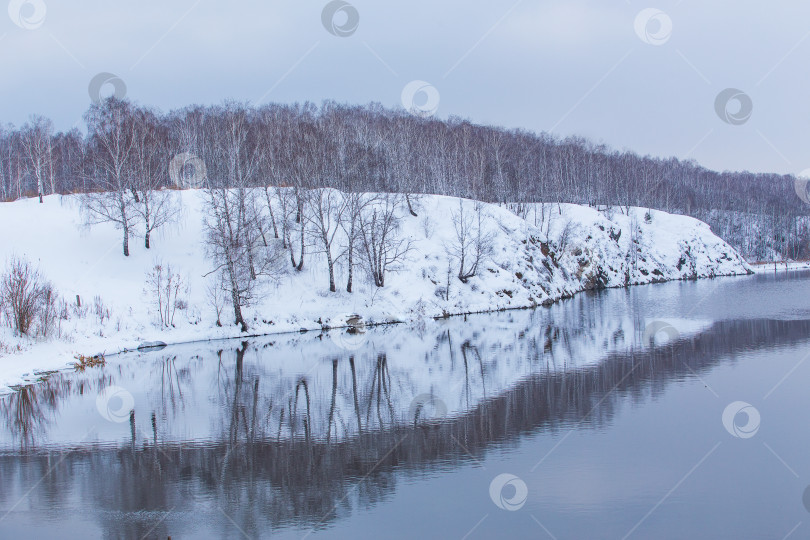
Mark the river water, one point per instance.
(675, 410)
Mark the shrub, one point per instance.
(101, 311)
(27, 298)
(164, 287)
(48, 309)
(215, 291)
(428, 227)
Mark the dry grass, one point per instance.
(83, 362)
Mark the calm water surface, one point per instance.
(406, 432)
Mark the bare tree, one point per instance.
(301, 207)
(163, 287)
(379, 234)
(269, 200)
(288, 207)
(633, 250)
(472, 244)
(355, 204)
(36, 137)
(233, 242)
(112, 135)
(566, 234)
(225, 245)
(214, 291)
(154, 205)
(327, 207)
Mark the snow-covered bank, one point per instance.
(779, 266)
(556, 251)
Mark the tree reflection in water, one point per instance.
(24, 410)
(306, 451)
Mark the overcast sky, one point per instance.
(608, 70)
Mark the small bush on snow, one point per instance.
(27, 300)
(101, 311)
(215, 292)
(428, 227)
(163, 288)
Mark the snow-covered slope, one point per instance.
(556, 251)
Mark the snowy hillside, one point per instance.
(546, 253)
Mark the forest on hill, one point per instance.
(128, 148)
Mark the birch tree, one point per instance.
(112, 137)
(326, 209)
(231, 239)
(36, 137)
(354, 206)
(154, 206)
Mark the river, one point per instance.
(663, 411)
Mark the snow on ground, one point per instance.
(781, 266)
(534, 261)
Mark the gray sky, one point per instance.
(572, 67)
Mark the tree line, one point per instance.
(131, 149)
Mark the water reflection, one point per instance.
(24, 411)
(274, 439)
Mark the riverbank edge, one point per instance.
(38, 375)
(762, 267)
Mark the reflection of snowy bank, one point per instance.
(668, 330)
(307, 386)
(274, 481)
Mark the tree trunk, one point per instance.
(351, 267)
(301, 257)
(331, 265)
(410, 208)
(237, 309)
(126, 241)
(147, 220)
(250, 263)
(272, 215)
(50, 168)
